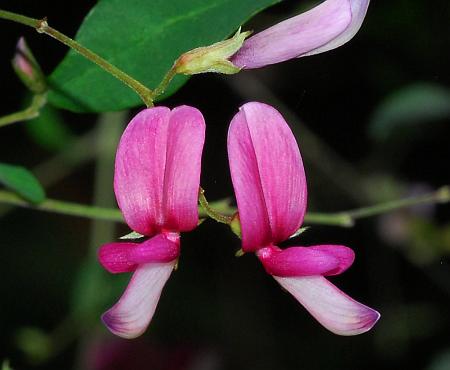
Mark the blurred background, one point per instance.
(372, 121)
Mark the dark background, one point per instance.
(222, 312)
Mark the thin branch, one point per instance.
(38, 101)
(344, 219)
(42, 26)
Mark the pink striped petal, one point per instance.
(182, 177)
(139, 171)
(131, 315)
(157, 171)
(305, 261)
(324, 27)
(267, 174)
(125, 257)
(335, 310)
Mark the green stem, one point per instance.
(441, 195)
(348, 218)
(345, 219)
(161, 88)
(42, 26)
(38, 101)
(66, 208)
(211, 212)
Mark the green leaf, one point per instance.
(143, 38)
(49, 130)
(409, 107)
(21, 181)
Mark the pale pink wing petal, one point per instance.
(335, 310)
(183, 166)
(267, 174)
(139, 170)
(131, 315)
(305, 261)
(125, 257)
(298, 36)
(359, 10)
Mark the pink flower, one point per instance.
(27, 68)
(156, 182)
(325, 27)
(270, 186)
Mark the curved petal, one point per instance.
(345, 255)
(335, 310)
(359, 10)
(131, 315)
(125, 257)
(324, 27)
(267, 174)
(183, 167)
(139, 170)
(157, 173)
(305, 261)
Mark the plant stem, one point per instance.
(345, 219)
(38, 101)
(211, 212)
(441, 195)
(66, 208)
(42, 26)
(161, 88)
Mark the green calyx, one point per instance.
(212, 58)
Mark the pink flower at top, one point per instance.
(270, 186)
(326, 26)
(156, 182)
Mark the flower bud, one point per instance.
(212, 58)
(27, 68)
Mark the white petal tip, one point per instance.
(335, 310)
(131, 315)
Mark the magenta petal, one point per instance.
(297, 261)
(131, 315)
(157, 172)
(125, 257)
(183, 166)
(267, 174)
(139, 170)
(115, 257)
(324, 27)
(345, 256)
(335, 310)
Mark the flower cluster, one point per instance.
(157, 179)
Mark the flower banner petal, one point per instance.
(131, 315)
(186, 137)
(335, 310)
(298, 261)
(125, 257)
(267, 174)
(322, 28)
(139, 170)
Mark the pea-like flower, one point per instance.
(324, 27)
(156, 182)
(270, 186)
